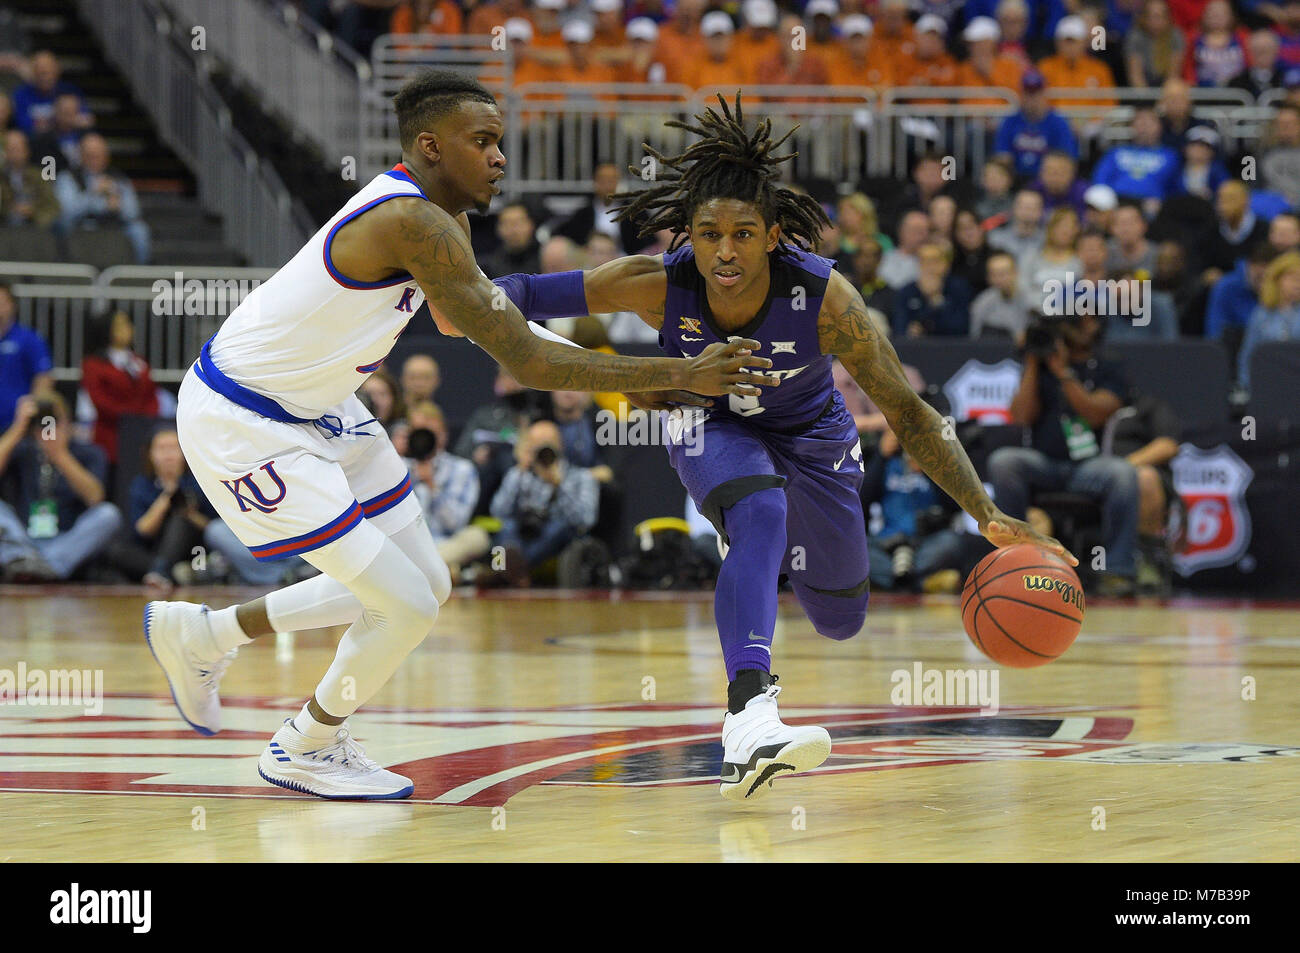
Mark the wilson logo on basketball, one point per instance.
(1070, 595)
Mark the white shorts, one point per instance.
(289, 489)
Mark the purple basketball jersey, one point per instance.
(786, 326)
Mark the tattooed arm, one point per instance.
(421, 238)
(845, 330)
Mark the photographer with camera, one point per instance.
(1066, 395)
(543, 503)
(168, 515)
(53, 517)
(446, 486)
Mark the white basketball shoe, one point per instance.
(758, 747)
(177, 635)
(334, 768)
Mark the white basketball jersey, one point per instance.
(309, 335)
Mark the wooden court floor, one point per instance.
(583, 727)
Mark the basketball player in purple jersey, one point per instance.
(275, 435)
(777, 474)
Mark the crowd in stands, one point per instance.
(57, 175)
(1252, 45)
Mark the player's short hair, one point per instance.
(726, 162)
(430, 95)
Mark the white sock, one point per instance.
(309, 726)
(225, 629)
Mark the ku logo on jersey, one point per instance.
(408, 295)
(257, 500)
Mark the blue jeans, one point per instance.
(220, 537)
(555, 535)
(1112, 481)
(939, 550)
(64, 553)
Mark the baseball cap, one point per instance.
(606, 6)
(825, 8)
(715, 22)
(981, 28)
(855, 24)
(1071, 28)
(549, 4)
(930, 23)
(519, 28)
(642, 28)
(577, 31)
(759, 13)
(1032, 81)
(1100, 197)
(1205, 135)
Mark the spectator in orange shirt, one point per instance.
(527, 68)
(820, 16)
(792, 66)
(1072, 67)
(930, 64)
(758, 41)
(1013, 21)
(546, 28)
(720, 66)
(644, 64)
(608, 30)
(857, 60)
(894, 37)
(482, 15)
(986, 66)
(582, 66)
(438, 17)
(680, 44)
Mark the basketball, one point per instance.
(1022, 606)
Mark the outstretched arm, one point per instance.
(433, 247)
(843, 329)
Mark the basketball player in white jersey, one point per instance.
(271, 427)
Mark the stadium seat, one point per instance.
(101, 248)
(26, 243)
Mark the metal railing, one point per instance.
(259, 218)
(174, 308)
(298, 71)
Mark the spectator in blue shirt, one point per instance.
(34, 101)
(94, 195)
(168, 515)
(543, 503)
(1036, 130)
(25, 366)
(447, 488)
(1234, 298)
(1278, 316)
(914, 540)
(937, 302)
(1142, 169)
(1203, 171)
(55, 518)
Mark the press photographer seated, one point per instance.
(543, 503)
(53, 517)
(447, 487)
(1066, 395)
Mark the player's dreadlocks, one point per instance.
(725, 163)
